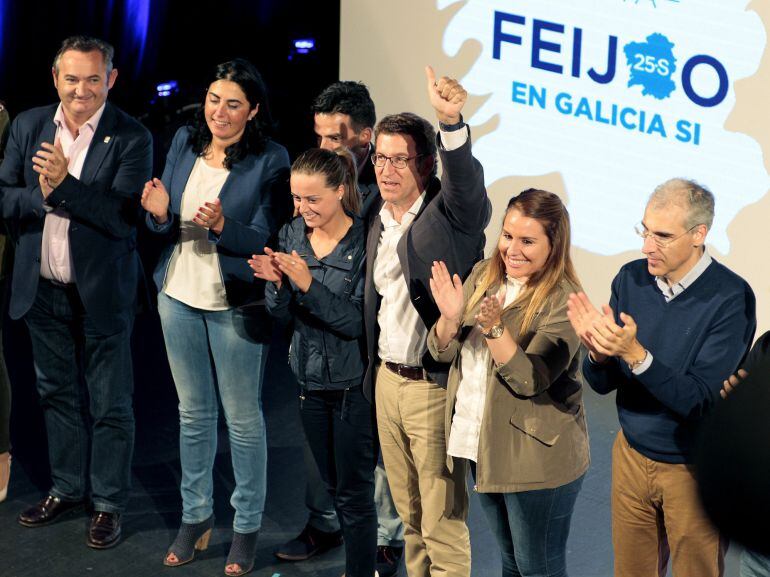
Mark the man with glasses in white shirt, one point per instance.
(420, 220)
(678, 324)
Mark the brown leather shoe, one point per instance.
(48, 510)
(104, 531)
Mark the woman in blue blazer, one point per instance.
(219, 200)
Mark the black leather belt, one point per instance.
(407, 371)
(57, 284)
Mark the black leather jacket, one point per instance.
(327, 348)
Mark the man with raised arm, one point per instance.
(417, 221)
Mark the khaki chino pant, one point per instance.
(656, 510)
(431, 501)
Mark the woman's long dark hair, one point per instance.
(258, 129)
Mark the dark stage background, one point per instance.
(160, 40)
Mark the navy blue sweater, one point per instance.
(697, 340)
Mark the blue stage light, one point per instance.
(167, 88)
(137, 25)
(304, 45)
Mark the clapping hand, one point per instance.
(210, 216)
(447, 291)
(50, 163)
(617, 341)
(155, 200)
(44, 186)
(584, 316)
(601, 334)
(294, 267)
(265, 267)
(489, 313)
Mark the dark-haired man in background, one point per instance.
(343, 115)
(70, 182)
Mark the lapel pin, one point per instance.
(107, 139)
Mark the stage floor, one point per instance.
(154, 510)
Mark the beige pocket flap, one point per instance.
(536, 428)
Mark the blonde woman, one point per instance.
(514, 401)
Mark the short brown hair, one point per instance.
(409, 124)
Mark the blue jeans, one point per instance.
(531, 528)
(754, 564)
(339, 426)
(390, 529)
(85, 382)
(224, 351)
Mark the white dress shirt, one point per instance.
(403, 335)
(472, 392)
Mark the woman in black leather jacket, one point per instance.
(316, 280)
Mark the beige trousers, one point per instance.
(431, 501)
(656, 511)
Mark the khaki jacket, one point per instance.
(533, 430)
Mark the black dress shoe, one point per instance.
(104, 531)
(310, 542)
(388, 560)
(48, 510)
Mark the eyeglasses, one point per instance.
(379, 160)
(659, 240)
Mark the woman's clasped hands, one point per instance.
(272, 265)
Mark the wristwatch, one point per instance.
(452, 127)
(638, 363)
(494, 332)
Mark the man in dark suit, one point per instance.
(70, 183)
(420, 220)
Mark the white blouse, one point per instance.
(193, 276)
(472, 391)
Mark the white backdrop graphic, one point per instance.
(617, 96)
